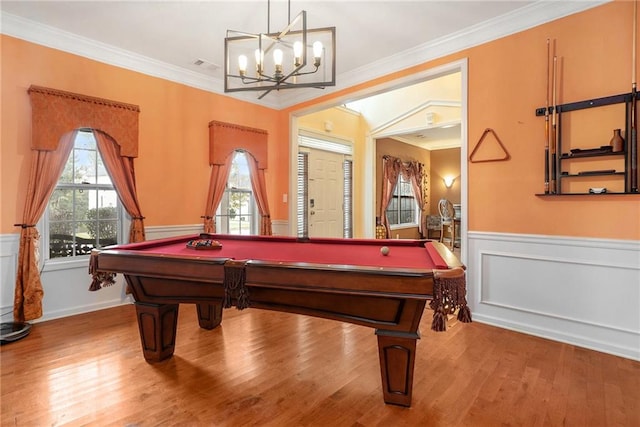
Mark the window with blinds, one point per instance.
(303, 194)
(348, 199)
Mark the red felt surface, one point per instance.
(325, 251)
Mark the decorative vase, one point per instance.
(617, 142)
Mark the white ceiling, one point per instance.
(374, 38)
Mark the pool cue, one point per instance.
(554, 138)
(633, 141)
(546, 131)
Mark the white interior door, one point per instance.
(325, 194)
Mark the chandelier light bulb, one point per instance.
(297, 53)
(317, 52)
(277, 57)
(242, 64)
(259, 60)
(277, 60)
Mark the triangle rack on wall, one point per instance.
(496, 159)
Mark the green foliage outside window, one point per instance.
(106, 230)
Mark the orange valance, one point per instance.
(225, 138)
(56, 112)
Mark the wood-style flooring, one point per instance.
(266, 368)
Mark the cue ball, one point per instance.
(384, 250)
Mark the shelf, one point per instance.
(583, 175)
(597, 102)
(603, 165)
(566, 156)
(587, 194)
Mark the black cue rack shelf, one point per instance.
(630, 152)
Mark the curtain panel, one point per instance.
(55, 118)
(258, 183)
(217, 185)
(122, 174)
(46, 168)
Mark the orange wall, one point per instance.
(172, 169)
(506, 83)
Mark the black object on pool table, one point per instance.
(203, 244)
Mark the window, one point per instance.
(84, 211)
(303, 194)
(237, 212)
(402, 209)
(347, 168)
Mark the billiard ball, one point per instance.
(384, 250)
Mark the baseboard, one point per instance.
(81, 309)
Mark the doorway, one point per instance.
(326, 195)
(364, 159)
(324, 186)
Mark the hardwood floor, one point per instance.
(278, 369)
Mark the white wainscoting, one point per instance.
(152, 233)
(280, 227)
(574, 290)
(9, 245)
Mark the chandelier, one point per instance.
(296, 57)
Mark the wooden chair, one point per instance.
(447, 223)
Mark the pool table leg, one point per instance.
(157, 325)
(397, 359)
(209, 315)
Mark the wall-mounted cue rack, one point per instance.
(630, 152)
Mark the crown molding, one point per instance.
(535, 14)
(45, 35)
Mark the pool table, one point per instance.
(349, 280)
